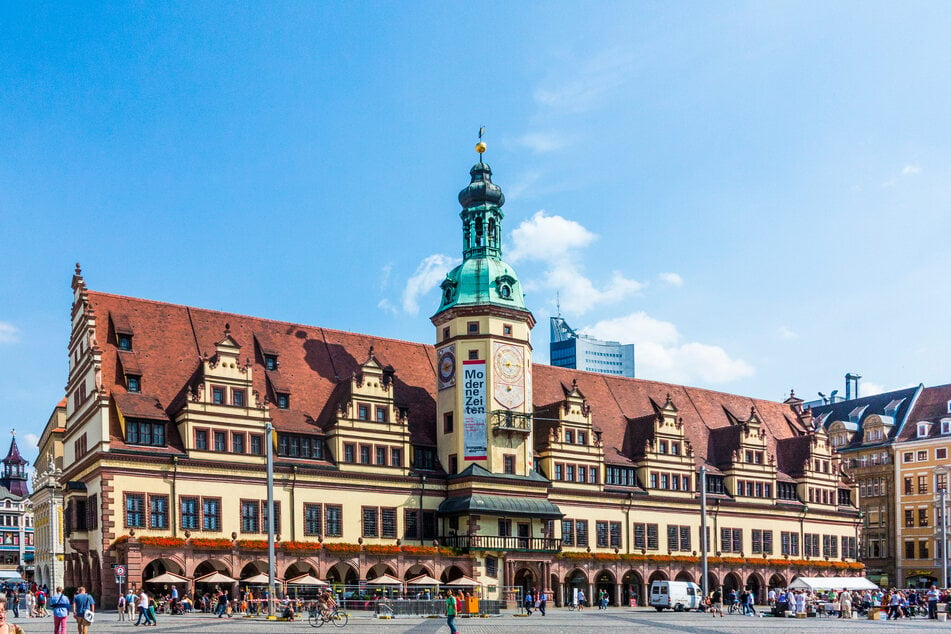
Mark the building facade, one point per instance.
(459, 459)
(568, 349)
(16, 518)
(47, 501)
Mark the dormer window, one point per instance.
(946, 427)
(125, 342)
(283, 401)
(923, 430)
(270, 362)
(134, 383)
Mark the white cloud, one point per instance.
(32, 440)
(542, 142)
(910, 170)
(387, 306)
(385, 273)
(868, 388)
(671, 278)
(583, 84)
(660, 356)
(428, 274)
(788, 334)
(547, 238)
(9, 333)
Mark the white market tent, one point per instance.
(306, 580)
(832, 583)
(423, 580)
(385, 580)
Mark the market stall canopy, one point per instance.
(167, 577)
(306, 580)
(423, 580)
(464, 581)
(385, 580)
(259, 578)
(215, 577)
(832, 583)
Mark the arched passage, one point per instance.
(299, 568)
(777, 581)
(343, 573)
(632, 589)
(755, 585)
(575, 581)
(415, 571)
(731, 583)
(160, 566)
(683, 575)
(605, 586)
(451, 573)
(253, 568)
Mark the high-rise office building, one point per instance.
(581, 352)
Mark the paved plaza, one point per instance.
(557, 621)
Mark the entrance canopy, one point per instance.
(499, 505)
(832, 583)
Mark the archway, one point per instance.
(754, 584)
(605, 587)
(777, 581)
(713, 582)
(208, 567)
(731, 583)
(576, 581)
(160, 566)
(451, 573)
(525, 580)
(632, 589)
(253, 568)
(416, 571)
(300, 568)
(343, 573)
(378, 570)
(683, 575)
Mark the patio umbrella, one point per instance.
(167, 577)
(259, 578)
(215, 577)
(423, 580)
(306, 580)
(384, 580)
(464, 581)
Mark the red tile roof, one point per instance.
(170, 341)
(931, 406)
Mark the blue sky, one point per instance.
(756, 194)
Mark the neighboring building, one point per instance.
(16, 518)
(399, 458)
(568, 349)
(47, 500)
(895, 446)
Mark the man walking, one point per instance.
(61, 605)
(451, 612)
(144, 609)
(84, 606)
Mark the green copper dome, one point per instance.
(483, 278)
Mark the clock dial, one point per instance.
(508, 364)
(447, 367)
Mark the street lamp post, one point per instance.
(943, 518)
(268, 429)
(703, 530)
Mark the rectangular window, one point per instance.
(653, 539)
(472, 327)
(218, 395)
(201, 439)
(922, 456)
(371, 526)
(364, 454)
(211, 514)
(270, 362)
(941, 454)
(334, 520)
(189, 513)
(601, 534)
(568, 532)
(673, 537)
(922, 517)
(237, 443)
(473, 355)
(221, 441)
(909, 486)
(257, 443)
(237, 398)
(134, 510)
(410, 524)
(507, 329)
(581, 532)
(453, 463)
(381, 456)
(277, 516)
(922, 484)
(570, 473)
(582, 438)
(569, 436)
(923, 550)
(388, 523)
(380, 413)
(158, 511)
(909, 550)
(582, 473)
(558, 471)
(283, 401)
(250, 516)
(504, 527)
(134, 383)
(363, 411)
(313, 516)
(349, 453)
(143, 433)
(508, 464)
(396, 457)
(447, 424)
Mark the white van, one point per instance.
(676, 595)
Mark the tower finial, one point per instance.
(480, 146)
(558, 302)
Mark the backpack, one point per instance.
(458, 605)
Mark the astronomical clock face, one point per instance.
(509, 375)
(447, 367)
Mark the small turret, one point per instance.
(14, 470)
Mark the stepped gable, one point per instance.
(615, 401)
(931, 406)
(169, 341)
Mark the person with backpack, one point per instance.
(451, 610)
(40, 602)
(130, 607)
(61, 606)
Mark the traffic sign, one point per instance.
(120, 571)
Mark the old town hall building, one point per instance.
(459, 459)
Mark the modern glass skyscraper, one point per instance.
(581, 352)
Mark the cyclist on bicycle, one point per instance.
(327, 604)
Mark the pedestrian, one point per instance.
(845, 604)
(143, 605)
(542, 601)
(222, 605)
(61, 605)
(30, 604)
(7, 627)
(120, 607)
(528, 602)
(41, 596)
(84, 606)
(451, 612)
(581, 600)
(130, 608)
(932, 597)
(716, 603)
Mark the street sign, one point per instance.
(120, 571)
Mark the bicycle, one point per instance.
(335, 616)
(735, 608)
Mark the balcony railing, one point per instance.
(505, 420)
(493, 542)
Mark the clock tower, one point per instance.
(483, 345)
